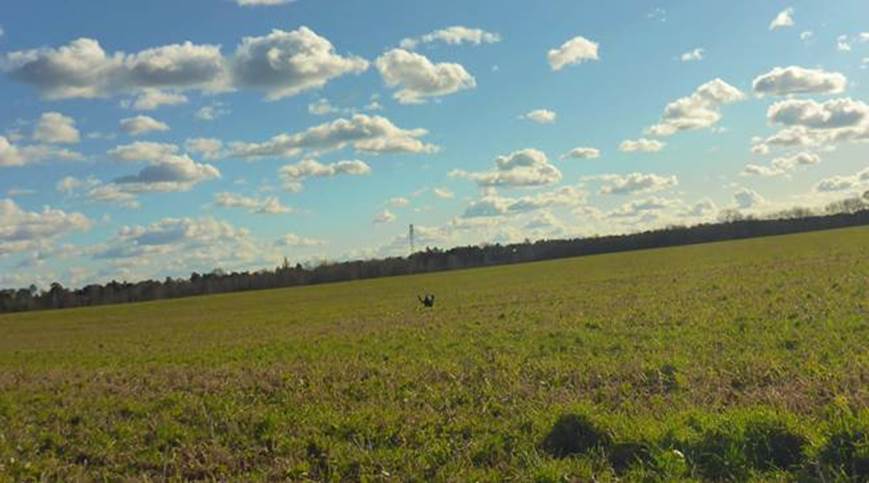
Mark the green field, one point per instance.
(736, 360)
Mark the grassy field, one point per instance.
(737, 360)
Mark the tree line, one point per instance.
(732, 225)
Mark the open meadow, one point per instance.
(736, 360)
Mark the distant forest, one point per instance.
(732, 225)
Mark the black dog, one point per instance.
(428, 301)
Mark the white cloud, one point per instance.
(12, 155)
(807, 35)
(368, 134)
(782, 165)
(844, 183)
(83, 69)
(692, 55)
(322, 107)
(617, 184)
(113, 194)
(55, 128)
(645, 206)
(494, 205)
(527, 167)
(455, 35)
(208, 148)
(783, 81)
(575, 51)
(746, 198)
(783, 19)
(211, 112)
(22, 230)
(138, 125)
(842, 44)
(582, 153)
(703, 208)
(443, 193)
(281, 64)
(417, 77)
(268, 206)
(169, 173)
(812, 123)
(151, 99)
(641, 145)
(142, 151)
(540, 116)
(384, 216)
(68, 184)
(699, 110)
(831, 114)
(203, 238)
(286, 63)
(293, 175)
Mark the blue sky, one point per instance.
(146, 139)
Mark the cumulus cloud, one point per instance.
(540, 116)
(747, 198)
(286, 63)
(12, 155)
(166, 174)
(138, 125)
(617, 184)
(582, 152)
(113, 194)
(494, 205)
(367, 134)
(692, 55)
(194, 237)
(142, 151)
(267, 206)
(641, 145)
(575, 51)
(782, 165)
(384, 216)
(211, 112)
(806, 35)
(293, 175)
(636, 208)
(22, 230)
(782, 81)
(527, 167)
(455, 35)
(783, 19)
(280, 64)
(150, 99)
(812, 123)
(844, 183)
(322, 107)
(55, 128)
(417, 77)
(699, 110)
(831, 114)
(83, 69)
(208, 148)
